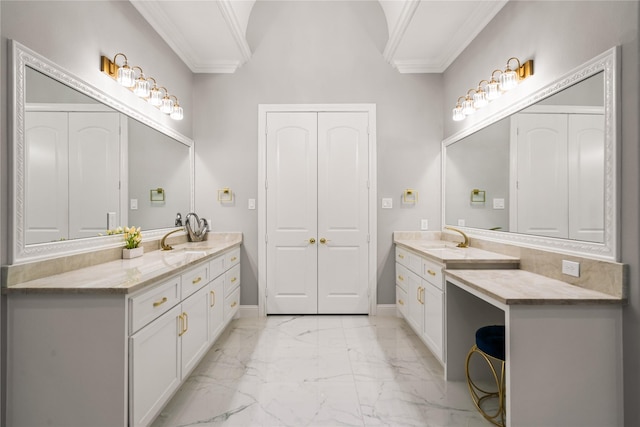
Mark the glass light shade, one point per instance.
(142, 88)
(467, 107)
(155, 97)
(458, 114)
(480, 99)
(493, 90)
(177, 113)
(126, 76)
(508, 80)
(167, 105)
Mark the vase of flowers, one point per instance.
(132, 241)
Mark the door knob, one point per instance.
(312, 240)
(323, 240)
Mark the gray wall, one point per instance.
(561, 36)
(307, 53)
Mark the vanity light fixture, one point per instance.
(457, 111)
(141, 86)
(492, 89)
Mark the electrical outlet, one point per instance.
(424, 224)
(498, 203)
(111, 220)
(134, 204)
(571, 268)
(387, 203)
(252, 204)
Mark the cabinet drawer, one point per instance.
(149, 305)
(231, 280)
(402, 256)
(401, 301)
(402, 276)
(194, 279)
(232, 258)
(231, 305)
(216, 266)
(432, 273)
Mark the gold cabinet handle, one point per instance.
(159, 303)
(324, 241)
(431, 272)
(234, 258)
(196, 280)
(233, 279)
(186, 323)
(181, 319)
(234, 304)
(400, 302)
(400, 277)
(213, 298)
(422, 296)
(312, 240)
(401, 256)
(418, 294)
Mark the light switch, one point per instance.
(111, 220)
(424, 224)
(252, 204)
(387, 203)
(134, 204)
(498, 203)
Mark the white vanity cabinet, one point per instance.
(80, 357)
(419, 285)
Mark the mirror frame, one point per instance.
(607, 62)
(19, 252)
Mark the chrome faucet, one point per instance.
(163, 245)
(464, 244)
(198, 232)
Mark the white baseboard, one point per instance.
(386, 310)
(248, 311)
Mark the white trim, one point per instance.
(399, 28)
(230, 17)
(387, 310)
(263, 109)
(19, 252)
(248, 311)
(609, 63)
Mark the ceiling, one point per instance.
(425, 36)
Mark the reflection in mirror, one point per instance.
(547, 167)
(84, 162)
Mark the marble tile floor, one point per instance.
(319, 371)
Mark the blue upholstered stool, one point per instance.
(490, 346)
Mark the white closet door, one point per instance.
(586, 177)
(292, 271)
(94, 172)
(46, 177)
(343, 212)
(542, 207)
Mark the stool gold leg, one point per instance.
(479, 395)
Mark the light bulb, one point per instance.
(177, 113)
(167, 105)
(126, 76)
(508, 79)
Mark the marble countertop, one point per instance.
(513, 287)
(447, 252)
(125, 276)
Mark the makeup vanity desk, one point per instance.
(563, 342)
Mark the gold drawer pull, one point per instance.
(400, 302)
(401, 256)
(159, 303)
(196, 280)
(234, 279)
(431, 272)
(400, 278)
(213, 298)
(234, 304)
(234, 258)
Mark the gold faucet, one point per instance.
(464, 244)
(163, 245)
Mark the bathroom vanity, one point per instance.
(108, 345)
(558, 336)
